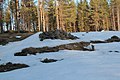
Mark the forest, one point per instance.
(67, 15)
(59, 39)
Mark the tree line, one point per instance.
(45, 15)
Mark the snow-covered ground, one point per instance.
(76, 65)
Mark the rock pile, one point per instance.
(113, 39)
(56, 34)
(48, 60)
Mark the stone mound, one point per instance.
(113, 39)
(10, 66)
(109, 40)
(56, 34)
(48, 60)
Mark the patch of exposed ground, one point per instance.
(56, 34)
(12, 36)
(10, 66)
(71, 46)
(46, 60)
(112, 39)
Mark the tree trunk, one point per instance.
(44, 29)
(97, 21)
(1, 21)
(74, 27)
(16, 14)
(107, 23)
(57, 16)
(46, 21)
(118, 18)
(113, 18)
(41, 16)
(7, 26)
(12, 21)
(10, 24)
(104, 27)
(38, 9)
(34, 27)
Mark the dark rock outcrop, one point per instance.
(113, 39)
(48, 60)
(56, 34)
(33, 51)
(10, 66)
(71, 46)
(7, 37)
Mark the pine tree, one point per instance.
(95, 16)
(83, 15)
(73, 16)
(51, 15)
(7, 18)
(104, 15)
(28, 16)
(16, 4)
(115, 13)
(112, 8)
(67, 16)
(118, 14)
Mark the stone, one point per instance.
(10, 66)
(56, 34)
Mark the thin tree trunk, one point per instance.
(43, 21)
(62, 27)
(34, 27)
(104, 27)
(1, 22)
(74, 27)
(113, 16)
(57, 15)
(10, 24)
(38, 10)
(12, 21)
(7, 26)
(41, 16)
(46, 21)
(16, 19)
(23, 22)
(107, 23)
(96, 21)
(118, 18)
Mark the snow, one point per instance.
(75, 65)
(18, 37)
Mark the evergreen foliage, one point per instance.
(64, 15)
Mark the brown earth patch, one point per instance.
(71, 46)
(12, 36)
(48, 60)
(56, 34)
(112, 39)
(10, 66)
